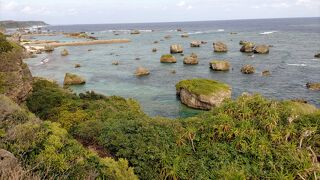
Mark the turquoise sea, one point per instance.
(291, 60)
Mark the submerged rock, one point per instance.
(154, 50)
(218, 65)
(317, 55)
(202, 93)
(155, 42)
(192, 59)
(64, 52)
(266, 73)
(247, 69)
(167, 37)
(168, 58)
(185, 35)
(220, 47)
(115, 63)
(195, 43)
(141, 71)
(247, 47)
(73, 79)
(313, 86)
(176, 48)
(77, 65)
(261, 49)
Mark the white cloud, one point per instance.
(8, 6)
(181, 4)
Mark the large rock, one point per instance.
(15, 76)
(247, 47)
(73, 79)
(202, 93)
(217, 65)
(7, 160)
(220, 47)
(64, 52)
(141, 71)
(247, 69)
(176, 48)
(168, 58)
(313, 86)
(192, 59)
(195, 44)
(261, 49)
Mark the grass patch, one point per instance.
(202, 86)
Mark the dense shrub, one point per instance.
(5, 46)
(249, 138)
(47, 150)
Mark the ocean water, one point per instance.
(291, 60)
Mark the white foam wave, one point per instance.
(128, 30)
(220, 30)
(302, 65)
(268, 32)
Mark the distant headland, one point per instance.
(21, 24)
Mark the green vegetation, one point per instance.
(202, 86)
(167, 56)
(251, 137)
(5, 46)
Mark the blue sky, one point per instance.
(131, 11)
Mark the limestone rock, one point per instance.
(176, 48)
(168, 58)
(202, 93)
(218, 65)
(195, 43)
(141, 71)
(261, 49)
(313, 86)
(73, 79)
(192, 59)
(247, 69)
(247, 47)
(220, 47)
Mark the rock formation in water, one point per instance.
(168, 58)
(202, 93)
(142, 71)
(220, 65)
(220, 47)
(176, 48)
(261, 49)
(73, 79)
(247, 69)
(192, 59)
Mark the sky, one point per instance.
(135, 11)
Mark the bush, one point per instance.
(249, 138)
(5, 46)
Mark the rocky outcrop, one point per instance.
(313, 86)
(317, 55)
(15, 76)
(195, 44)
(192, 59)
(220, 47)
(168, 58)
(7, 160)
(141, 71)
(135, 32)
(247, 47)
(261, 49)
(176, 48)
(247, 69)
(217, 65)
(73, 79)
(202, 93)
(64, 52)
